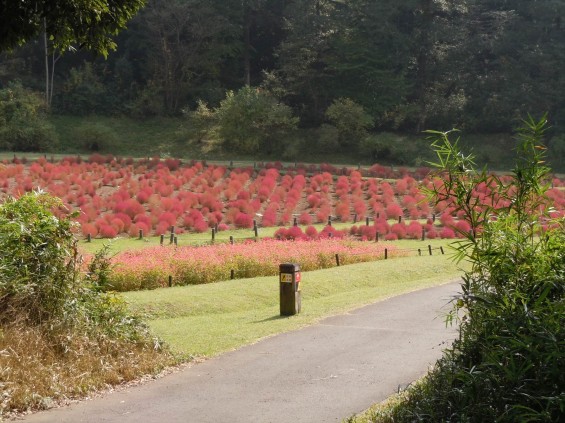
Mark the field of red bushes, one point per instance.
(123, 196)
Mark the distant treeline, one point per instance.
(479, 65)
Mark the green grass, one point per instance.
(206, 320)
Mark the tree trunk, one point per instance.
(46, 53)
(247, 48)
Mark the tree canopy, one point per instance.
(82, 23)
(474, 64)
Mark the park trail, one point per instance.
(322, 373)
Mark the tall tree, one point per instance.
(302, 56)
(184, 43)
(516, 53)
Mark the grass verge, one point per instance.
(206, 320)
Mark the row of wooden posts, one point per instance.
(173, 238)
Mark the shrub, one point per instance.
(252, 120)
(23, 126)
(311, 232)
(506, 364)
(351, 121)
(94, 136)
(31, 238)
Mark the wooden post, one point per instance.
(386, 253)
(419, 252)
(329, 221)
(213, 234)
(441, 249)
(176, 241)
(141, 234)
(170, 281)
(255, 231)
(377, 236)
(399, 219)
(295, 223)
(430, 249)
(337, 259)
(423, 234)
(367, 221)
(231, 240)
(88, 238)
(232, 274)
(162, 239)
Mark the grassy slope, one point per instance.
(206, 320)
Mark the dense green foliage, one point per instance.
(23, 124)
(59, 335)
(249, 121)
(40, 280)
(472, 64)
(507, 363)
(79, 23)
(351, 121)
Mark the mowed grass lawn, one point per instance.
(206, 320)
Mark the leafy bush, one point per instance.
(38, 269)
(351, 121)
(23, 126)
(507, 363)
(52, 318)
(248, 121)
(94, 136)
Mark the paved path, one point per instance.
(322, 373)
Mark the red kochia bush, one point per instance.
(447, 233)
(108, 231)
(393, 211)
(89, 229)
(312, 232)
(243, 220)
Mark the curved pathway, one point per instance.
(322, 373)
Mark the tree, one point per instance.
(249, 121)
(83, 23)
(181, 46)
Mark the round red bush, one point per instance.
(89, 229)
(108, 231)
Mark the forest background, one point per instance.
(296, 79)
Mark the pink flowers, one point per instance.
(150, 268)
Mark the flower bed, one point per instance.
(150, 268)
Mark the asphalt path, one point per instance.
(322, 373)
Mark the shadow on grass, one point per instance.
(272, 318)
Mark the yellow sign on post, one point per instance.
(286, 277)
